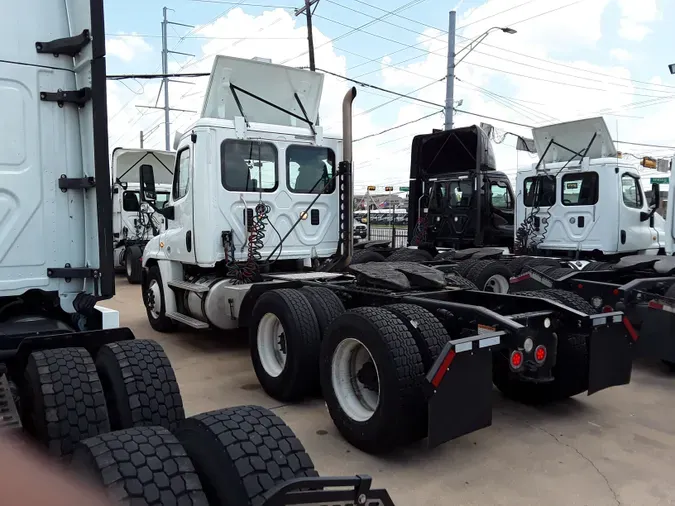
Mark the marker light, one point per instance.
(516, 359)
(547, 323)
(529, 344)
(540, 354)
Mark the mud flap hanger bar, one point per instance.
(307, 491)
(69, 46)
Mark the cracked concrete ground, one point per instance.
(616, 447)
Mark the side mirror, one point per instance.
(656, 196)
(148, 192)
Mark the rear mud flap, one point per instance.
(610, 356)
(462, 401)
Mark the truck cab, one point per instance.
(457, 191)
(134, 221)
(582, 198)
(254, 188)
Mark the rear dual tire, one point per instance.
(230, 457)
(132, 264)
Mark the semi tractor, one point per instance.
(134, 222)
(260, 237)
(94, 397)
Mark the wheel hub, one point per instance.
(355, 379)
(272, 345)
(154, 299)
(367, 376)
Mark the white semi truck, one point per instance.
(260, 236)
(135, 222)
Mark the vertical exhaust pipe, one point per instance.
(347, 180)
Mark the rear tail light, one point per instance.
(516, 359)
(540, 354)
(607, 309)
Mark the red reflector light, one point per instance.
(580, 286)
(438, 377)
(516, 359)
(607, 309)
(518, 279)
(615, 291)
(654, 305)
(540, 354)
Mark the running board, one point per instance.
(190, 287)
(188, 320)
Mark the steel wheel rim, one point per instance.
(497, 284)
(154, 299)
(271, 342)
(356, 400)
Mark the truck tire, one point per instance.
(570, 372)
(140, 385)
(381, 405)
(490, 276)
(132, 264)
(364, 256)
(445, 255)
(143, 465)
(62, 399)
(284, 339)
(458, 281)
(429, 333)
(242, 452)
(598, 266)
(568, 298)
(326, 305)
(465, 266)
(155, 305)
(410, 255)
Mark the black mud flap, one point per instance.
(610, 352)
(657, 333)
(347, 491)
(460, 399)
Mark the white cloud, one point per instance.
(127, 47)
(622, 55)
(558, 87)
(635, 16)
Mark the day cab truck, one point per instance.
(260, 237)
(135, 222)
(583, 224)
(91, 395)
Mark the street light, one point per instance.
(452, 63)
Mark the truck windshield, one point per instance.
(454, 193)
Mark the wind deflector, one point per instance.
(457, 150)
(275, 84)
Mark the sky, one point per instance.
(569, 60)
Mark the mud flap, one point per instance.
(610, 353)
(461, 394)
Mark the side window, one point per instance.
(500, 197)
(580, 189)
(248, 166)
(632, 193)
(181, 176)
(545, 196)
(310, 169)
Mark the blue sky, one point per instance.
(595, 50)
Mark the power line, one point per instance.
(496, 14)
(398, 126)
(237, 4)
(494, 119)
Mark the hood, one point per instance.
(575, 136)
(126, 164)
(276, 84)
(446, 152)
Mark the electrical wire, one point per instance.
(398, 126)
(496, 14)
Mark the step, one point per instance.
(9, 415)
(190, 287)
(188, 320)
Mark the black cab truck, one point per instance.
(73, 380)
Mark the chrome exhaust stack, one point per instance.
(347, 182)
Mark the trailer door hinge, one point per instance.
(69, 272)
(78, 97)
(76, 183)
(70, 46)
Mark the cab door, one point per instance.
(634, 233)
(180, 240)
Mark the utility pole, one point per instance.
(450, 76)
(165, 71)
(141, 139)
(310, 38)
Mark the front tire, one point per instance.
(155, 306)
(133, 268)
